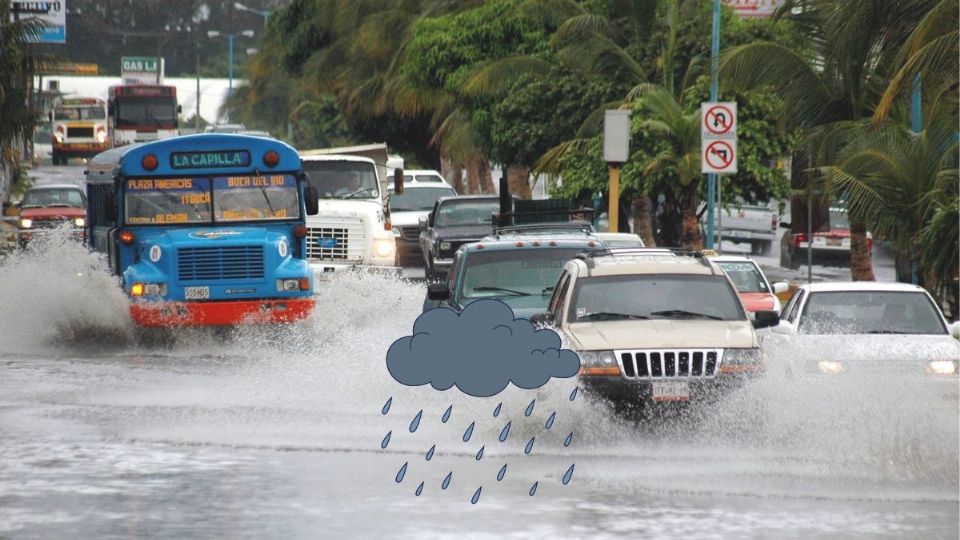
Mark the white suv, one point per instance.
(652, 325)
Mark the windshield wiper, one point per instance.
(501, 289)
(353, 193)
(548, 289)
(683, 314)
(608, 314)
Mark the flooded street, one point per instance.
(278, 433)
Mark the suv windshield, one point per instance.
(745, 276)
(514, 272)
(467, 212)
(413, 199)
(655, 296)
(53, 197)
(870, 312)
(343, 179)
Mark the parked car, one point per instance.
(864, 328)
(643, 338)
(453, 222)
(831, 245)
(519, 267)
(755, 291)
(620, 240)
(47, 207)
(420, 194)
(756, 224)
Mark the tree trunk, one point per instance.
(690, 228)
(473, 178)
(485, 177)
(518, 178)
(456, 177)
(447, 170)
(861, 265)
(643, 219)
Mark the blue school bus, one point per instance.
(204, 230)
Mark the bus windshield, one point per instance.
(159, 111)
(221, 199)
(80, 113)
(343, 179)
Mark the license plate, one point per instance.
(196, 293)
(671, 391)
(834, 241)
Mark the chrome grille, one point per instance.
(342, 240)
(86, 132)
(410, 233)
(649, 364)
(221, 262)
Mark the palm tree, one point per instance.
(17, 66)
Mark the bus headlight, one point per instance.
(26, 223)
(288, 285)
(383, 248)
(79, 222)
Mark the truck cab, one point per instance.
(351, 229)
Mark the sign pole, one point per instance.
(614, 211)
(714, 67)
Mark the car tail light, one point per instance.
(799, 239)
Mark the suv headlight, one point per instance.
(597, 359)
(444, 246)
(942, 367)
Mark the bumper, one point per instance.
(616, 389)
(442, 265)
(153, 314)
(24, 236)
(80, 149)
(747, 235)
(323, 272)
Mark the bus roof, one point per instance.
(126, 160)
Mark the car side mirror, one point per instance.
(438, 291)
(780, 287)
(398, 180)
(784, 224)
(542, 319)
(311, 202)
(765, 319)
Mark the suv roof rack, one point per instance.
(589, 256)
(575, 226)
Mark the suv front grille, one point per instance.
(648, 364)
(410, 233)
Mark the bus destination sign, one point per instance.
(210, 159)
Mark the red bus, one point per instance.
(142, 112)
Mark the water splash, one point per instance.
(430, 452)
(529, 410)
(446, 415)
(553, 416)
(573, 395)
(386, 440)
(568, 475)
(446, 481)
(496, 412)
(568, 440)
(480, 453)
(419, 489)
(476, 496)
(529, 447)
(468, 433)
(533, 489)
(402, 472)
(505, 432)
(503, 471)
(386, 406)
(415, 423)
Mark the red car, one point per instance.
(755, 291)
(831, 246)
(51, 206)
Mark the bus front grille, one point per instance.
(221, 262)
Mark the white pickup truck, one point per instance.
(747, 223)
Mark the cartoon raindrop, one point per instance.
(386, 440)
(529, 446)
(496, 412)
(573, 394)
(446, 415)
(505, 432)
(401, 473)
(430, 452)
(480, 453)
(476, 496)
(386, 406)
(503, 471)
(419, 489)
(533, 489)
(568, 440)
(468, 433)
(446, 481)
(568, 475)
(529, 410)
(553, 416)
(415, 423)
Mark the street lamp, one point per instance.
(230, 38)
(263, 13)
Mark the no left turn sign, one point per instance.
(719, 156)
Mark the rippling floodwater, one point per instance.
(270, 432)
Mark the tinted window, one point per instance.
(418, 198)
(746, 277)
(520, 272)
(466, 212)
(655, 296)
(870, 312)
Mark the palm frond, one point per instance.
(551, 162)
(497, 76)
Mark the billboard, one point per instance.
(141, 70)
(52, 14)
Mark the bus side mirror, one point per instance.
(50, 116)
(312, 204)
(398, 181)
(179, 109)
